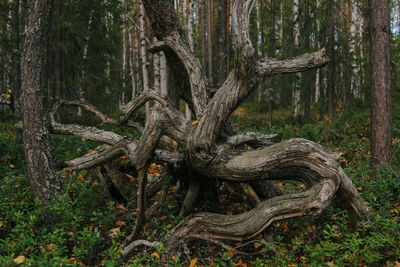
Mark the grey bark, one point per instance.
(43, 177)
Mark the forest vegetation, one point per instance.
(199, 133)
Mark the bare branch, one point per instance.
(104, 118)
(252, 139)
(193, 69)
(271, 66)
(139, 101)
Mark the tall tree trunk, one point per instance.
(307, 75)
(296, 87)
(317, 75)
(143, 56)
(381, 124)
(202, 27)
(210, 41)
(222, 40)
(189, 14)
(43, 177)
(355, 40)
(84, 63)
(16, 62)
(331, 54)
(270, 93)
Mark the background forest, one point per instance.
(97, 54)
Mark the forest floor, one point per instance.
(87, 225)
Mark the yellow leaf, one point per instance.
(257, 245)
(1, 224)
(330, 263)
(291, 265)
(174, 143)
(229, 213)
(359, 188)
(193, 262)
(90, 151)
(395, 210)
(195, 122)
(120, 223)
(12, 166)
(71, 260)
(114, 232)
(70, 233)
(155, 255)
(19, 259)
(230, 254)
(95, 184)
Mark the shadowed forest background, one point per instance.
(99, 53)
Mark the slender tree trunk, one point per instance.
(202, 27)
(84, 63)
(189, 15)
(143, 56)
(270, 94)
(381, 124)
(307, 75)
(43, 177)
(317, 75)
(331, 54)
(210, 41)
(16, 62)
(296, 87)
(222, 40)
(355, 40)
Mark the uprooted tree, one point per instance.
(208, 147)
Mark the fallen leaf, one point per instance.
(397, 264)
(71, 260)
(359, 188)
(395, 210)
(291, 264)
(114, 232)
(123, 157)
(229, 213)
(193, 262)
(70, 233)
(257, 245)
(230, 254)
(1, 224)
(95, 184)
(163, 218)
(330, 263)
(12, 166)
(155, 255)
(174, 143)
(169, 206)
(120, 223)
(19, 259)
(195, 122)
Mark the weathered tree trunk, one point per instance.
(43, 177)
(317, 75)
(381, 121)
(209, 148)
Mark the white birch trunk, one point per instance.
(143, 56)
(296, 33)
(355, 35)
(84, 58)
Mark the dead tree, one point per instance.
(208, 146)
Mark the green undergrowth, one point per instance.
(87, 225)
